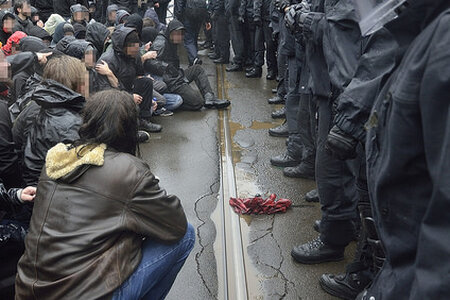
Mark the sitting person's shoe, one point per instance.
(280, 131)
(302, 170)
(197, 61)
(271, 75)
(162, 112)
(212, 102)
(312, 196)
(213, 56)
(284, 160)
(143, 136)
(316, 252)
(279, 114)
(234, 68)
(276, 100)
(221, 60)
(149, 126)
(254, 73)
(347, 285)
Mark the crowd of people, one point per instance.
(364, 86)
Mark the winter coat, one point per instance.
(8, 198)
(408, 163)
(23, 65)
(128, 5)
(45, 7)
(52, 23)
(261, 10)
(101, 203)
(22, 25)
(58, 121)
(125, 68)
(9, 161)
(97, 34)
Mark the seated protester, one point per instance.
(62, 7)
(151, 13)
(60, 97)
(108, 206)
(135, 21)
(12, 45)
(111, 14)
(79, 31)
(78, 14)
(121, 17)
(22, 10)
(167, 64)
(7, 20)
(35, 19)
(125, 63)
(40, 33)
(52, 23)
(62, 30)
(98, 35)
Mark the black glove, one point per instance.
(241, 19)
(281, 5)
(295, 17)
(341, 144)
(257, 21)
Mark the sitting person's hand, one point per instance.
(28, 193)
(103, 68)
(137, 99)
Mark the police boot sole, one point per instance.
(279, 134)
(316, 260)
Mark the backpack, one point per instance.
(196, 10)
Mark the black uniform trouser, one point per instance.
(307, 126)
(144, 88)
(336, 184)
(293, 96)
(192, 98)
(161, 11)
(264, 42)
(223, 37)
(237, 40)
(249, 42)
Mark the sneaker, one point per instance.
(197, 61)
(143, 136)
(162, 112)
(316, 252)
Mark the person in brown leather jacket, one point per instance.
(102, 228)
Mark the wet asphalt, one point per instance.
(186, 157)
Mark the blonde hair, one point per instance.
(66, 70)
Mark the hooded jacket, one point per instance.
(101, 203)
(22, 25)
(62, 7)
(151, 13)
(52, 23)
(125, 68)
(121, 16)
(4, 36)
(167, 63)
(110, 9)
(97, 34)
(58, 121)
(14, 39)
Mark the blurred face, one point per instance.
(112, 16)
(78, 17)
(68, 33)
(132, 50)
(8, 25)
(89, 59)
(25, 10)
(176, 36)
(4, 68)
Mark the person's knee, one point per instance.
(189, 238)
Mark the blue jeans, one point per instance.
(191, 37)
(157, 270)
(173, 101)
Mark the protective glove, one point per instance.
(295, 17)
(340, 144)
(257, 21)
(241, 19)
(281, 5)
